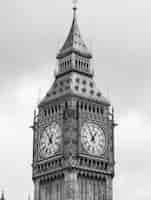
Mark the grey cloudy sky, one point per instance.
(119, 34)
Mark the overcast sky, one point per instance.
(119, 34)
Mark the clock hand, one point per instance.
(47, 134)
(92, 138)
(95, 134)
(90, 132)
(49, 137)
(92, 135)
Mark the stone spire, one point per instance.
(74, 75)
(2, 196)
(74, 42)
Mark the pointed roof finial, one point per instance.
(74, 6)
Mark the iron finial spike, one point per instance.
(74, 6)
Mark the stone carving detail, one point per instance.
(71, 186)
(70, 159)
(71, 163)
(69, 114)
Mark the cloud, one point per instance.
(135, 128)
(16, 116)
(32, 88)
(133, 156)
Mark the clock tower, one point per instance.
(73, 130)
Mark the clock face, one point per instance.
(93, 139)
(50, 140)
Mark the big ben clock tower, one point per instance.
(73, 139)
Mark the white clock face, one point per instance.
(93, 139)
(50, 140)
